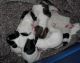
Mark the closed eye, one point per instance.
(24, 34)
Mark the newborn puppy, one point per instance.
(18, 38)
(24, 45)
(43, 14)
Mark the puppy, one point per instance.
(43, 14)
(24, 45)
(18, 38)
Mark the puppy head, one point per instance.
(46, 10)
(29, 47)
(41, 8)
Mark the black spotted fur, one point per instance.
(13, 35)
(29, 47)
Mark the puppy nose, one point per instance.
(38, 31)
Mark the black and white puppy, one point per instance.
(17, 39)
(43, 14)
(22, 41)
(24, 45)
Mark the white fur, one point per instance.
(17, 50)
(73, 31)
(53, 39)
(32, 57)
(26, 24)
(20, 41)
(25, 27)
(41, 18)
(60, 21)
(52, 8)
(75, 28)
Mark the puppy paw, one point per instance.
(44, 33)
(13, 35)
(38, 31)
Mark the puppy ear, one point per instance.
(46, 11)
(13, 35)
(44, 34)
(45, 8)
(49, 4)
(29, 47)
(33, 16)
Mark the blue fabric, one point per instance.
(70, 54)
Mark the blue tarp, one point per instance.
(70, 55)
